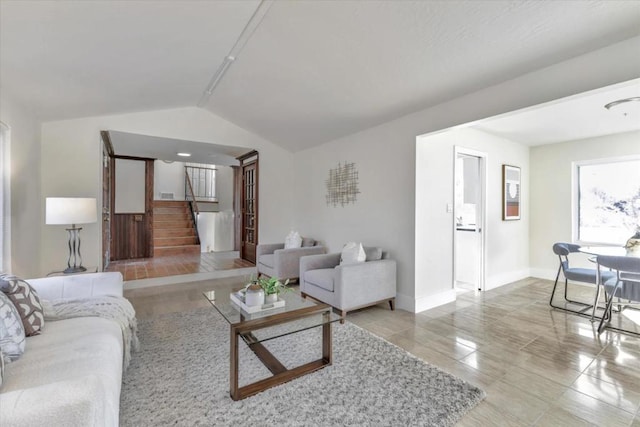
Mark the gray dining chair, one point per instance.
(625, 286)
(576, 274)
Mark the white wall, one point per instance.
(168, 178)
(385, 156)
(27, 208)
(73, 168)
(130, 186)
(507, 242)
(224, 187)
(551, 186)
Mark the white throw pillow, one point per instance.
(352, 252)
(293, 240)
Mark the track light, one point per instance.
(244, 37)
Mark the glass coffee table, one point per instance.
(297, 315)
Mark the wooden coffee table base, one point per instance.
(280, 373)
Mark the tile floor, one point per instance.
(206, 262)
(538, 366)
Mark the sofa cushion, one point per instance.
(267, 260)
(322, 278)
(373, 253)
(12, 337)
(308, 241)
(27, 303)
(71, 374)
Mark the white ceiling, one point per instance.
(577, 117)
(153, 147)
(311, 72)
(68, 59)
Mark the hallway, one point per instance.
(206, 262)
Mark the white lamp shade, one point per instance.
(70, 210)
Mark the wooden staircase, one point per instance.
(174, 232)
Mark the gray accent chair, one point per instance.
(274, 260)
(350, 286)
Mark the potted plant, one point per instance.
(272, 287)
(633, 244)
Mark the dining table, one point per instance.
(604, 251)
(619, 251)
(609, 251)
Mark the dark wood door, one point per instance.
(132, 231)
(249, 209)
(107, 165)
(107, 172)
(237, 208)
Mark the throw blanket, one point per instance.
(108, 307)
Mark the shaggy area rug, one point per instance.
(180, 376)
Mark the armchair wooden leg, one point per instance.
(343, 313)
(392, 304)
(303, 295)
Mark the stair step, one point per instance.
(171, 210)
(173, 241)
(158, 225)
(169, 203)
(176, 250)
(171, 217)
(173, 232)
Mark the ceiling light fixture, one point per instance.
(245, 35)
(184, 154)
(628, 107)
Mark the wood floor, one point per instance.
(538, 366)
(146, 268)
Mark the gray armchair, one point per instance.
(350, 286)
(274, 260)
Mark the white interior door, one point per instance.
(469, 213)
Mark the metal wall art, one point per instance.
(342, 185)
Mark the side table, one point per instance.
(93, 269)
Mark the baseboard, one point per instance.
(540, 273)
(427, 302)
(404, 302)
(185, 278)
(543, 273)
(506, 278)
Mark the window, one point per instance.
(606, 200)
(203, 182)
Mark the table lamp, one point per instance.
(71, 210)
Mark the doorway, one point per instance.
(248, 195)
(469, 213)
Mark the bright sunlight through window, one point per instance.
(608, 201)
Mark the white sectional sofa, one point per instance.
(70, 374)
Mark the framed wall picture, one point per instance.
(511, 191)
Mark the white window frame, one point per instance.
(575, 194)
(5, 197)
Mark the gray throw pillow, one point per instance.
(308, 241)
(373, 253)
(12, 338)
(27, 303)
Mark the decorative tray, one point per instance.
(238, 298)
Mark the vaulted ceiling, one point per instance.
(310, 72)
